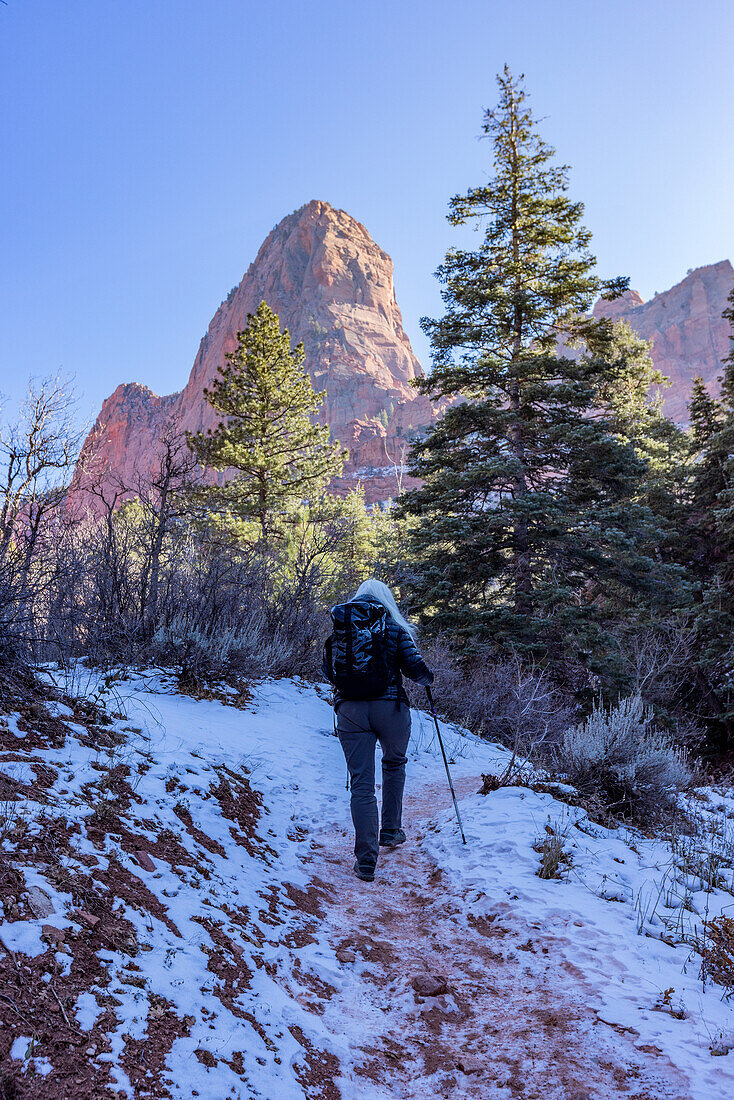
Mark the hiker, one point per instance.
(371, 645)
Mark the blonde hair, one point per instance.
(380, 592)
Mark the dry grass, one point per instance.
(554, 858)
(717, 952)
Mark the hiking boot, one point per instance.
(392, 839)
(367, 874)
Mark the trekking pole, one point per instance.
(445, 760)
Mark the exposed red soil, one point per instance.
(241, 804)
(318, 1070)
(184, 816)
(227, 963)
(43, 1010)
(134, 892)
(144, 1060)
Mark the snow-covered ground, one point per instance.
(232, 954)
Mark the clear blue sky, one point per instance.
(148, 146)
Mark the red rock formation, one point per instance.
(332, 288)
(689, 334)
(618, 309)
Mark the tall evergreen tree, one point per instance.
(628, 393)
(266, 434)
(707, 417)
(529, 531)
(709, 541)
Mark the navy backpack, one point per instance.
(355, 653)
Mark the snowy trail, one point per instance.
(205, 935)
(513, 1022)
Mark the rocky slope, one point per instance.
(332, 287)
(689, 334)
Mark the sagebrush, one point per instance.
(619, 755)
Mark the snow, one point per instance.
(22, 936)
(591, 918)
(20, 1047)
(603, 919)
(18, 770)
(9, 722)
(59, 710)
(87, 1010)
(21, 1050)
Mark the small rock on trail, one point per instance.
(430, 985)
(467, 1064)
(39, 902)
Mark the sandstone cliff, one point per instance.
(332, 287)
(685, 323)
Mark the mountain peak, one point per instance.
(722, 268)
(316, 207)
(332, 288)
(616, 308)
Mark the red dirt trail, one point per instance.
(514, 1022)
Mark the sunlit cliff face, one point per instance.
(332, 287)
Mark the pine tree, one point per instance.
(629, 394)
(529, 533)
(709, 436)
(266, 434)
(725, 444)
(709, 542)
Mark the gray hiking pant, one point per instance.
(360, 725)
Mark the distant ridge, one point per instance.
(690, 335)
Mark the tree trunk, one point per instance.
(520, 542)
(155, 564)
(262, 505)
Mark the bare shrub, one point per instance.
(660, 663)
(501, 700)
(181, 640)
(618, 754)
(37, 453)
(249, 649)
(656, 656)
(252, 626)
(13, 812)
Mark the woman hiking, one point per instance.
(370, 648)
